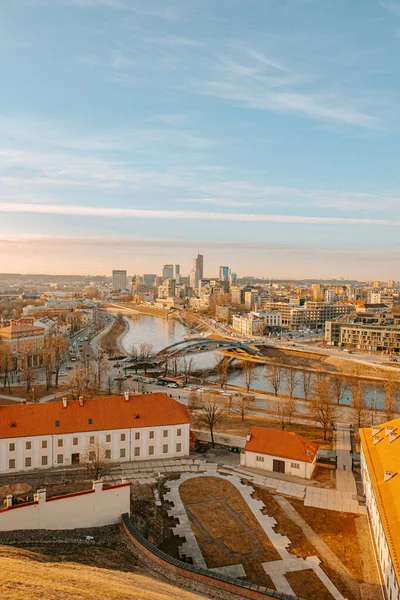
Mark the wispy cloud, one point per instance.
(133, 213)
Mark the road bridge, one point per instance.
(199, 345)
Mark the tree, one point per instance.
(193, 400)
(210, 412)
(249, 372)
(82, 384)
(322, 410)
(339, 385)
(99, 360)
(291, 380)
(110, 385)
(97, 459)
(145, 352)
(357, 387)
(27, 367)
(188, 364)
(243, 405)
(286, 408)
(47, 357)
(221, 370)
(306, 382)
(6, 364)
(390, 401)
(58, 346)
(274, 376)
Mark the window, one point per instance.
(60, 459)
(92, 455)
(137, 435)
(90, 421)
(259, 459)
(179, 447)
(75, 441)
(179, 432)
(57, 423)
(122, 453)
(91, 439)
(108, 439)
(44, 443)
(28, 445)
(151, 435)
(151, 450)
(295, 465)
(44, 461)
(123, 437)
(108, 454)
(12, 447)
(11, 463)
(28, 462)
(60, 443)
(165, 449)
(137, 451)
(165, 433)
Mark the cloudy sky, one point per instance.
(265, 133)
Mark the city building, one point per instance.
(250, 299)
(167, 289)
(313, 315)
(168, 272)
(279, 451)
(24, 342)
(177, 274)
(380, 460)
(198, 265)
(248, 325)
(126, 428)
(119, 280)
(271, 319)
(237, 295)
(369, 332)
(149, 279)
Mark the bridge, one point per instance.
(199, 345)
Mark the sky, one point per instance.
(264, 133)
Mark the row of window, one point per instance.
(92, 456)
(293, 465)
(75, 440)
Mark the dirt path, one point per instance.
(371, 586)
(321, 547)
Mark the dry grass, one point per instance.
(308, 585)
(325, 475)
(108, 341)
(223, 539)
(337, 530)
(26, 574)
(233, 425)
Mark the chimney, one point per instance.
(392, 437)
(248, 437)
(126, 394)
(65, 402)
(376, 440)
(388, 430)
(80, 400)
(375, 430)
(388, 475)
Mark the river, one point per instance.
(163, 332)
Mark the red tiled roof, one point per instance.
(21, 328)
(107, 412)
(281, 443)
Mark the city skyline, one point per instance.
(265, 135)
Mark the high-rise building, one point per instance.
(177, 274)
(233, 280)
(168, 271)
(119, 280)
(198, 265)
(224, 273)
(149, 278)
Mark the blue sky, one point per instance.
(265, 133)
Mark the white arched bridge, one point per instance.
(198, 345)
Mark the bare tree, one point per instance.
(249, 372)
(99, 360)
(27, 366)
(306, 382)
(58, 346)
(390, 401)
(243, 405)
(221, 370)
(82, 384)
(339, 385)
(274, 376)
(291, 380)
(134, 355)
(97, 459)
(6, 363)
(188, 364)
(322, 410)
(357, 386)
(47, 357)
(193, 401)
(145, 352)
(210, 413)
(110, 385)
(286, 408)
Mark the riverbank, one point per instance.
(110, 342)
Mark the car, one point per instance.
(62, 374)
(172, 385)
(116, 365)
(69, 367)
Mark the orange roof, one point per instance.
(21, 328)
(380, 457)
(107, 412)
(281, 443)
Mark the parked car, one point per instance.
(69, 368)
(172, 385)
(61, 374)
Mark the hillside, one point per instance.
(25, 574)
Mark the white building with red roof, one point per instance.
(279, 451)
(59, 434)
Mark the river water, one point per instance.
(162, 332)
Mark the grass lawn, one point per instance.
(232, 424)
(225, 528)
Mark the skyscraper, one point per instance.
(168, 271)
(177, 274)
(198, 264)
(119, 280)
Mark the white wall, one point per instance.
(36, 451)
(305, 470)
(381, 545)
(93, 508)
